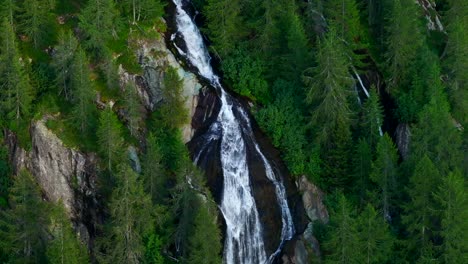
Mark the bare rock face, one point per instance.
(433, 18)
(63, 174)
(154, 58)
(312, 198)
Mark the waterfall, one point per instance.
(243, 240)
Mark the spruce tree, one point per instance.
(64, 246)
(143, 9)
(130, 217)
(8, 10)
(98, 20)
(384, 172)
(173, 107)
(419, 215)
(375, 241)
(342, 242)
(453, 202)
(23, 228)
(362, 164)
(110, 137)
(133, 108)
(372, 118)
(82, 90)
(35, 17)
(17, 93)
(153, 174)
(62, 61)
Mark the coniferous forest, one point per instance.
(366, 99)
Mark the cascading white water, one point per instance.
(244, 242)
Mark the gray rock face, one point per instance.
(154, 57)
(62, 173)
(312, 198)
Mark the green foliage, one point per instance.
(99, 21)
(8, 9)
(384, 173)
(131, 219)
(154, 177)
(224, 24)
(362, 164)
(372, 118)
(64, 246)
(375, 240)
(36, 15)
(342, 243)
(17, 93)
(5, 179)
(133, 108)
(110, 138)
(173, 107)
(153, 250)
(143, 10)
(62, 62)
(83, 92)
(244, 74)
(452, 198)
(23, 228)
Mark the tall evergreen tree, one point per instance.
(17, 93)
(173, 107)
(82, 90)
(143, 9)
(375, 241)
(110, 137)
(23, 228)
(154, 176)
(64, 246)
(419, 215)
(362, 165)
(131, 219)
(372, 118)
(133, 108)
(98, 20)
(8, 9)
(453, 201)
(35, 17)
(342, 243)
(404, 39)
(62, 61)
(384, 172)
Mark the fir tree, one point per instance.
(154, 176)
(174, 101)
(17, 93)
(362, 164)
(82, 90)
(372, 118)
(133, 108)
(62, 62)
(110, 137)
(131, 219)
(8, 9)
(342, 243)
(452, 199)
(35, 16)
(143, 9)
(23, 228)
(375, 241)
(384, 171)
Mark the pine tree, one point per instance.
(35, 17)
(98, 20)
(131, 219)
(342, 243)
(372, 119)
(374, 235)
(154, 176)
(110, 137)
(133, 108)
(453, 201)
(419, 215)
(224, 24)
(205, 242)
(64, 246)
(82, 90)
(62, 62)
(173, 106)
(384, 171)
(23, 228)
(17, 93)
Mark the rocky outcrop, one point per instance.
(403, 139)
(306, 247)
(154, 58)
(433, 18)
(64, 174)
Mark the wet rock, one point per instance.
(134, 160)
(403, 139)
